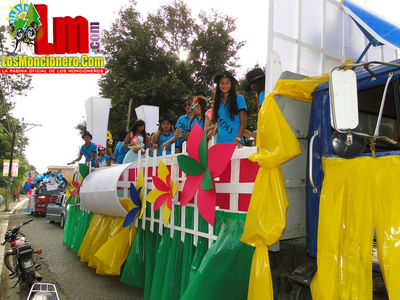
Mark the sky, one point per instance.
(56, 102)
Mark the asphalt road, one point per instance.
(73, 278)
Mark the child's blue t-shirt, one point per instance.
(87, 152)
(120, 152)
(196, 121)
(162, 140)
(103, 160)
(261, 98)
(228, 128)
(183, 124)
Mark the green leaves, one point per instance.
(203, 152)
(142, 62)
(189, 165)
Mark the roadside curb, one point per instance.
(4, 220)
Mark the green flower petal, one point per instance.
(203, 152)
(189, 165)
(83, 170)
(207, 183)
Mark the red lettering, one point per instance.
(69, 35)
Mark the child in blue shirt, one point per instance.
(88, 150)
(102, 159)
(229, 110)
(199, 107)
(165, 136)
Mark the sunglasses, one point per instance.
(187, 104)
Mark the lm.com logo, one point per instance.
(28, 24)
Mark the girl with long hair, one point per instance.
(229, 111)
(136, 140)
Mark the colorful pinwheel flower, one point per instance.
(135, 197)
(201, 166)
(164, 192)
(76, 185)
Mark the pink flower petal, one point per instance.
(160, 200)
(206, 203)
(193, 142)
(219, 157)
(190, 188)
(160, 185)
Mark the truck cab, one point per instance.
(294, 267)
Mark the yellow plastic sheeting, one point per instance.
(101, 229)
(268, 205)
(115, 251)
(299, 89)
(357, 196)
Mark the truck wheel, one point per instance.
(62, 222)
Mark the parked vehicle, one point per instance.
(43, 291)
(44, 197)
(19, 260)
(57, 211)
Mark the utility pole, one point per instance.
(10, 179)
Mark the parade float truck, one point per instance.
(215, 222)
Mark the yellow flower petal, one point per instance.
(162, 172)
(166, 213)
(140, 183)
(153, 195)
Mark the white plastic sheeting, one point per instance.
(98, 192)
(97, 111)
(149, 114)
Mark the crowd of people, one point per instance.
(226, 120)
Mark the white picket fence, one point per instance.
(234, 188)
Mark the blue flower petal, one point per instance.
(135, 195)
(130, 217)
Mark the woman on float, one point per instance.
(136, 140)
(229, 111)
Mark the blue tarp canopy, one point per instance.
(377, 30)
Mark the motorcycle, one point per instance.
(19, 260)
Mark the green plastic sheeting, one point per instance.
(170, 269)
(134, 269)
(76, 226)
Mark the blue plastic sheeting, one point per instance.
(377, 30)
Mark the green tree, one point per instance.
(142, 60)
(10, 86)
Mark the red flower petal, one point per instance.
(169, 202)
(206, 201)
(74, 192)
(168, 179)
(190, 188)
(160, 185)
(219, 157)
(75, 184)
(193, 142)
(160, 200)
